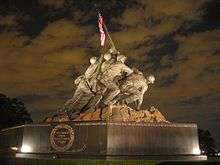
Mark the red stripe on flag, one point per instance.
(101, 29)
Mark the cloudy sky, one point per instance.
(45, 44)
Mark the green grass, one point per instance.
(23, 161)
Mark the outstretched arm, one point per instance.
(127, 70)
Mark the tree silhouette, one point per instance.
(12, 112)
(206, 142)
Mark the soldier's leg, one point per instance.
(134, 98)
(75, 105)
(73, 114)
(131, 99)
(77, 94)
(75, 109)
(139, 100)
(111, 93)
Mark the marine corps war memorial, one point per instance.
(104, 119)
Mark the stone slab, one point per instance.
(102, 140)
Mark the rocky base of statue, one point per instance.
(117, 113)
(123, 113)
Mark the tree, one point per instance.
(12, 112)
(206, 142)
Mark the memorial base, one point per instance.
(102, 140)
(119, 157)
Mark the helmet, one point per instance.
(111, 50)
(136, 71)
(93, 60)
(107, 56)
(151, 79)
(121, 58)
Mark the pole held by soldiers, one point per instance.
(106, 29)
(110, 39)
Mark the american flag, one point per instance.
(101, 30)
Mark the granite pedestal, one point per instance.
(104, 140)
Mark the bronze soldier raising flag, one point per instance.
(107, 81)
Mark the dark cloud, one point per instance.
(209, 21)
(46, 44)
(168, 81)
(212, 70)
(32, 97)
(200, 100)
(55, 4)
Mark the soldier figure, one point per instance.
(107, 82)
(85, 84)
(116, 70)
(133, 88)
(92, 68)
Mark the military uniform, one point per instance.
(117, 69)
(84, 92)
(134, 86)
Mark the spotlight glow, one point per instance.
(196, 151)
(14, 148)
(25, 148)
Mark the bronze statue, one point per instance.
(133, 88)
(106, 82)
(116, 71)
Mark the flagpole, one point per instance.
(111, 41)
(106, 29)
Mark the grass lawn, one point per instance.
(23, 161)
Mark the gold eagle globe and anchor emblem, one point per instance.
(62, 137)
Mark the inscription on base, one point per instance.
(62, 137)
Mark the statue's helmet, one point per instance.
(111, 50)
(107, 56)
(151, 79)
(93, 60)
(136, 71)
(121, 58)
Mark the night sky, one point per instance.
(46, 44)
